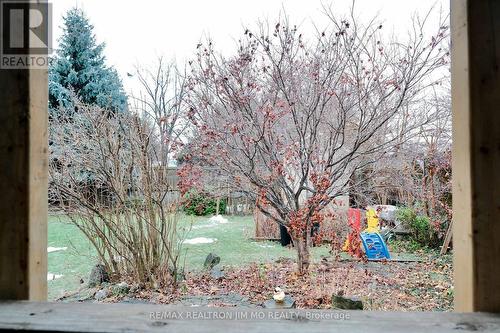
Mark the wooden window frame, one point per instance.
(475, 35)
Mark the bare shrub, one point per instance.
(108, 175)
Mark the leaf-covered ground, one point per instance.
(387, 286)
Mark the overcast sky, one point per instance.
(136, 32)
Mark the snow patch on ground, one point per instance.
(212, 222)
(264, 245)
(118, 258)
(218, 219)
(54, 249)
(203, 226)
(51, 276)
(200, 240)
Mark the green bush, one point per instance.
(201, 204)
(406, 215)
(421, 230)
(408, 245)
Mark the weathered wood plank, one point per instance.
(476, 153)
(23, 183)
(462, 217)
(447, 239)
(71, 317)
(38, 185)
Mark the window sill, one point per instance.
(90, 317)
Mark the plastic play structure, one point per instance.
(372, 221)
(354, 221)
(373, 243)
(375, 247)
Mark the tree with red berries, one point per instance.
(289, 119)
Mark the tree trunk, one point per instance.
(303, 255)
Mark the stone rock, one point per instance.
(135, 288)
(81, 295)
(211, 261)
(132, 300)
(101, 294)
(226, 300)
(346, 303)
(121, 288)
(288, 303)
(217, 273)
(98, 275)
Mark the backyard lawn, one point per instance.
(72, 256)
(420, 280)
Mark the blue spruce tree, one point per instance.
(79, 68)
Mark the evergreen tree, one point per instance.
(79, 68)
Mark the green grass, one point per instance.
(73, 263)
(233, 245)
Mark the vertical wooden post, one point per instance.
(23, 184)
(476, 153)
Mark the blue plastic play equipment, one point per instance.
(375, 247)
